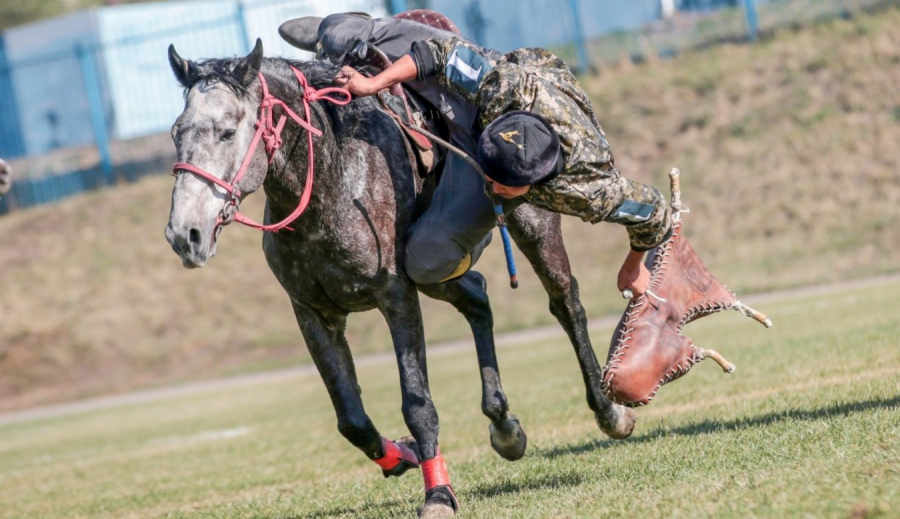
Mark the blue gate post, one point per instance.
(95, 104)
(398, 6)
(580, 46)
(752, 19)
(242, 27)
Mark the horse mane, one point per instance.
(319, 74)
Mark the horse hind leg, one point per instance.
(538, 235)
(468, 294)
(328, 347)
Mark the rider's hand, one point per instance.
(634, 274)
(356, 83)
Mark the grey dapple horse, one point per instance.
(344, 254)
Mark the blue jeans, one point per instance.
(457, 223)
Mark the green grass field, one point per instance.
(789, 151)
(809, 426)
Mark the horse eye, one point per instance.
(228, 135)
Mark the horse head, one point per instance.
(214, 133)
(5, 174)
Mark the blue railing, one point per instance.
(84, 98)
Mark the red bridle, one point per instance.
(271, 136)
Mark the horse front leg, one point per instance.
(538, 235)
(330, 352)
(400, 307)
(468, 295)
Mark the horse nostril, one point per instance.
(194, 236)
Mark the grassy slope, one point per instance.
(13, 13)
(789, 151)
(807, 427)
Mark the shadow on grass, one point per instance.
(714, 426)
(530, 482)
(381, 508)
(525, 483)
(400, 508)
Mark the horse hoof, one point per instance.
(411, 443)
(404, 466)
(436, 511)
(509, 440)
(618, 423)
(440, 502)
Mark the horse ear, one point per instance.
(248, 68)
(185, 70)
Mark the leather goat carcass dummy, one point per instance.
(648, 348)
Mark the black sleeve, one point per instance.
(426, 65)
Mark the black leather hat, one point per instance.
(520, 149)
(301, 32)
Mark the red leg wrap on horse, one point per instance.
(435, 472)
(394, 454)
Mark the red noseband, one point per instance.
(270, 134)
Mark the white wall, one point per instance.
(46, 78)
(145, 95)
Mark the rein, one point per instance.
(270, 134)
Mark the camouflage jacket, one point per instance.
(590, 186)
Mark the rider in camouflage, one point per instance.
(554, 153)
(450, 236)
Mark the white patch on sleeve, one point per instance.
(463, 67)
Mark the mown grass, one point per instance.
(807, 427)
(789, 152)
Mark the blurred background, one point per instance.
(783, 115)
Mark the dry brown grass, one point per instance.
(789, 150)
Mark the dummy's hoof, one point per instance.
(618, 422)
(509, 440)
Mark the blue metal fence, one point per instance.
(10, 133)
(82, 96)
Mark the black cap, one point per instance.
(520, 149)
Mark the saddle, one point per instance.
(403, 105)
(648, 348)
(409, 112)
(430, 18)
